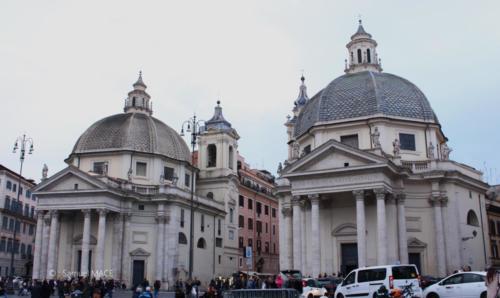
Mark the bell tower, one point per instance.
(218, 145)
(362, 53)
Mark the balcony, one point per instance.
(416, 166)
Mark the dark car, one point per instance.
(292, 279)
(427, 280)
(330, 284)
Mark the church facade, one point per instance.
(122, 207)
(369, 180)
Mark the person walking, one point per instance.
(492, 283)
(156, 288)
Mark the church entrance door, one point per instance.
(349, 257)
(137, 272)
(414, 258)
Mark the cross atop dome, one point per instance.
(362, 52)
(138, 100)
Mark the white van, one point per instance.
(364, 282)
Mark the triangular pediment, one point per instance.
(333, 155)
(139, 252)
(70, 179)
(414, 242)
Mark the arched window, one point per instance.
(472, 219)
(231, 157)
(201, 243)
(210, 195)
(360, 58)
(212, 156)
(368, 56)
(182, 238)
(133, 101)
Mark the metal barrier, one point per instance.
(264, 293)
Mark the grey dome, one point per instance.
(365, 94)
(134, 132)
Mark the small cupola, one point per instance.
(362, 52)
(138, 100)
(217, 121)
(302, 99)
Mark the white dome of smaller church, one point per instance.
(135, 130)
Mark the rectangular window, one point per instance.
(100, 167)
(14, 187)
(407, 141)
(497, 229)
(187, 180)
(2, 244)
(27, 211)
(258, 224)
(266, 247)
(5, 223)
(202, 223)
(168, 173)
(266, 228)
(231, 235)
(8, 185)
(7, 203)
(266, 210)
(350, 140)
(32, 213)
(28, 193)
(218, 242)
(140, 169)
(218, 227)
(242, 201)
(274, 230)
(140, 207)
(250, 204)
(258, 207)
(307, 149)
(31, 230)
(219, 259)
(273, 211)
(21, 190)
(18, 226)
(9, 245)
(182, 218)
(11, 224)
(241, 221)
(250, 224)
(231, 215)
(240, 242)
(250, 242)
(274, 248)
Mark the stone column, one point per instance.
(126, 249)
(403, 238)
(85, 243)
(288, 243)
(51, 254)
(297, 224)
(315, 236)
(391, 216)
(360, 226)
(381, 227)
(38, 245)
(117, 245)
(160, 232)
(101, 241)
(440, 248)
(45, 245)
(303, 237)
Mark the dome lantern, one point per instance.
(302, 99)
(138, 100)
(362, 51)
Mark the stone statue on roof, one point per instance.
(397, 148)
(376, 138)
(45, 171)
(445, 151)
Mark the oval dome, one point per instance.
(365, 94)
(135, 132)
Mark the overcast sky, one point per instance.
(66, 64)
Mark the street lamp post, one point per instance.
(21, 143)
(195, 127)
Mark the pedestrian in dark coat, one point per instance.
(36, 290)
(46, 289)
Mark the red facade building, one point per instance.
(257, 219)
